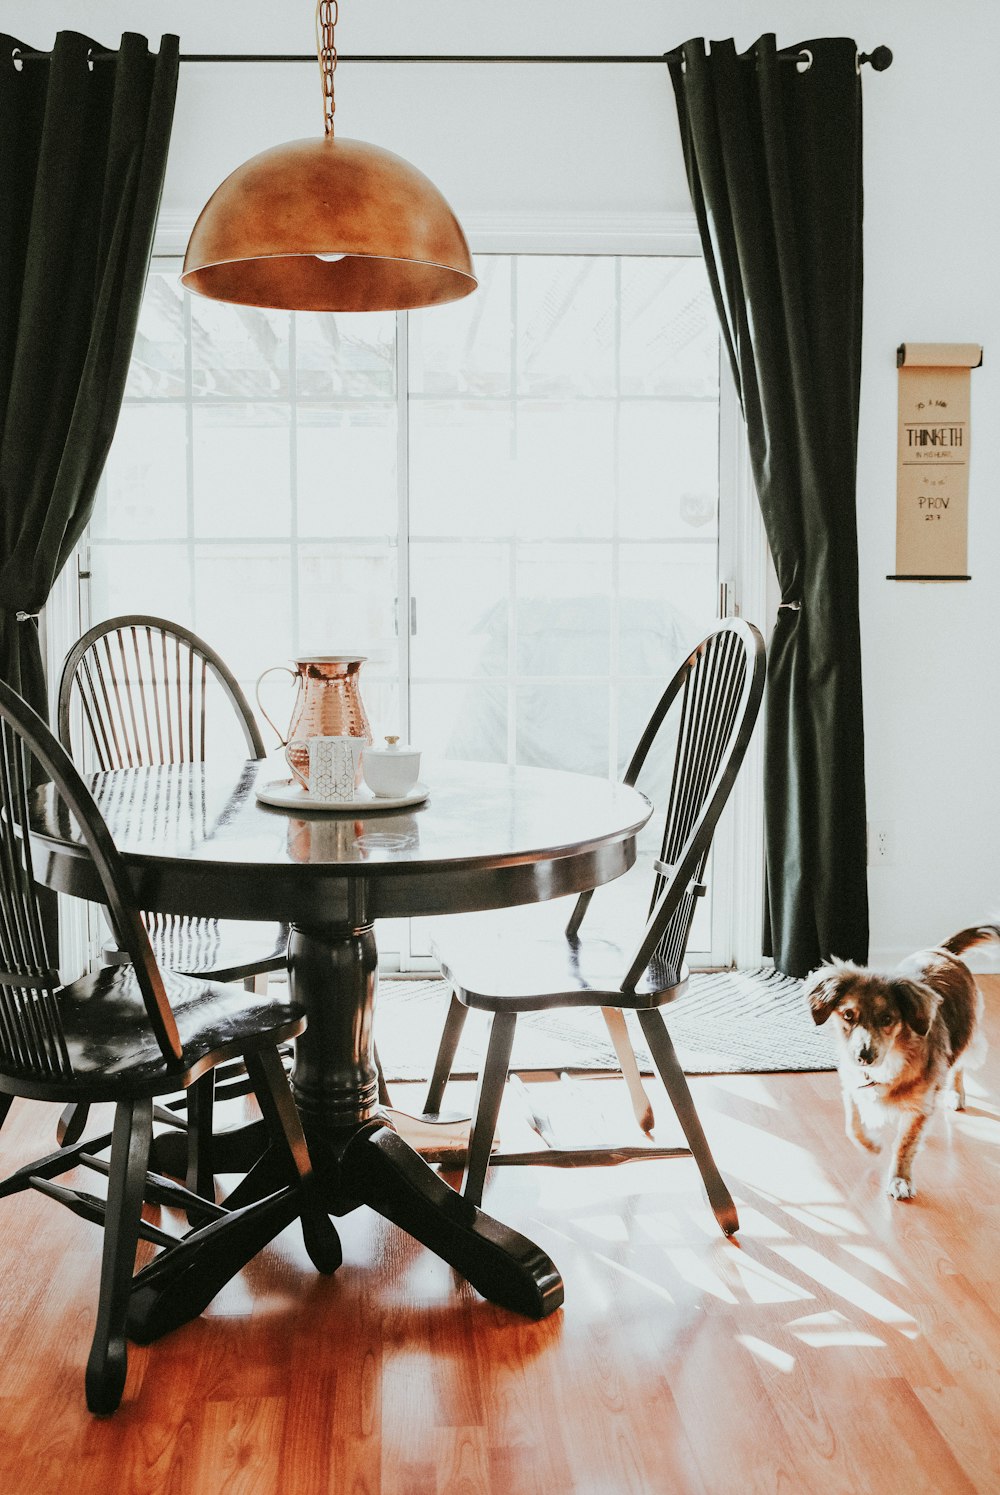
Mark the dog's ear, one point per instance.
(917, 1004)
(823, 992)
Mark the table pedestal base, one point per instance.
(357, 1158)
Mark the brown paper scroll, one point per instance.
(932, 484)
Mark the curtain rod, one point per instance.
(880, 58)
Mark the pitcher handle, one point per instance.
(270, 671)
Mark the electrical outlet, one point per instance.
(880, 843)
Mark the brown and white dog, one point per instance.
(900, 1038)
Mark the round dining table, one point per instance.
(197, 841)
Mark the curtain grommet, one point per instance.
(805, 61)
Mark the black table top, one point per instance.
(197, 841)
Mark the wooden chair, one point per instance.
(714, 698)
(143, 690)
(146, 691)
(126, 1034)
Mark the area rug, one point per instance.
(728, 1022)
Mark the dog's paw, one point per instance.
(862, 1141)
(954, 1100)
(901, 1188)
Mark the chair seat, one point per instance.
(495, 965)
(114, 1052)
(219, 949)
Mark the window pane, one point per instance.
(461, 609)
(346, 469)
(636, 701)
(382, 704)
(564, 725)
(563, 610)
(243, 605)
(144, 493)
(669, 468)
(460, 721)
(152, 579)
(461, 468)
(238, 351)
(564, 475)
(669, 333)
(157, 367)
(347, 601)
(466, 347)
(347, 604)
(566, 325)
(347, 355)
(669, 602)
(242, 470)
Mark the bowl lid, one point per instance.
(393, 749)
(329, 658)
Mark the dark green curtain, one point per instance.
(773, 159)
(83, 148)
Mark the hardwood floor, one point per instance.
(842, 1343)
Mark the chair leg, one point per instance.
(453, 1025)
(665, 1058)
(618, 1030)
(200, 1172)
(107, 1364)
(489, 1094)
(6, 1101)
(274, 1096)
(73, 1119)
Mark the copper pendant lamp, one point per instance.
(328, 225)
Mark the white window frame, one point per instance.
(743, 559)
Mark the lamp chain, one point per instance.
(327, 12)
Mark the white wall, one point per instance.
(543, 144)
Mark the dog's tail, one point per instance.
(978, 934)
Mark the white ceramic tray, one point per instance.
(286, 794)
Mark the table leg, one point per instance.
(360, 1160)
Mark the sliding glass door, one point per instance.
(563, 505)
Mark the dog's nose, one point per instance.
(866, 1054)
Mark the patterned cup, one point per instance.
(333, 767)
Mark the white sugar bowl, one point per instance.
(390, 772)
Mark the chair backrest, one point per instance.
(714, 699)
(31, 1034)
(147, 690)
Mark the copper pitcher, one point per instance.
(327, 702)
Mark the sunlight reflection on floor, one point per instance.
(755, 1088)
(828, 1219)
(769, 1353)
(873, 1257)
(839, 1281)
(823, 1330)
(656, 1288)
(762, 1284)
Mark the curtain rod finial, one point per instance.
(880, 59)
